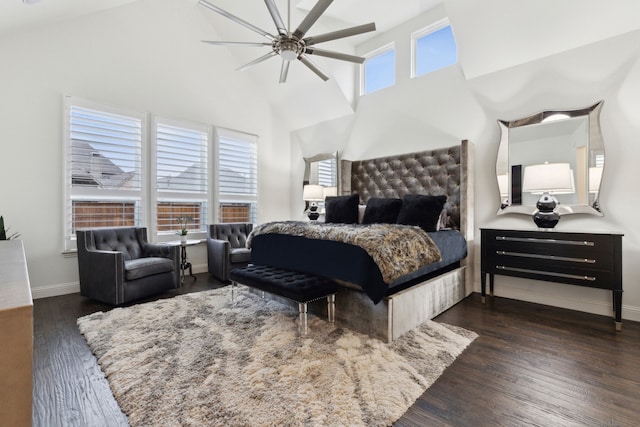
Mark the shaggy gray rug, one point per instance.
(196, 360)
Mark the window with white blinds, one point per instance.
(237, 176)
(327, 173)
(181, 177)
(103, 167)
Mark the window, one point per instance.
(103, 167)
(433, 48)
(327, 173)
(107, 152)
(237, 176)
(379, 70)
(181, 178)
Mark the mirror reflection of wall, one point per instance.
(558, 142)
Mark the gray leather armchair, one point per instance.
(118, 265)
(226, 248)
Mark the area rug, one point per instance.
(198, 360)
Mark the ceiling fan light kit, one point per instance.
(291, 46)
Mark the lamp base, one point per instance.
(313, 213)
(545, 219)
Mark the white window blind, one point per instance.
(103, 167)
(237, 176)
(181, 175)
(327, 173)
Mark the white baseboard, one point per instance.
(55, 290)
(587, 306)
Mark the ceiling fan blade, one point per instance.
(235, 43)
(313, 67)
(284, 71)
(335, 55)
(257, 61)
(334, 35)
(275, 15)
(311, 18)
(236, 19)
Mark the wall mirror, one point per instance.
(320, 179)
(321, 169)
(545, 141)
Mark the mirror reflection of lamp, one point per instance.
(313, 193)
(548, 179)
(595, 177)
(503, 186)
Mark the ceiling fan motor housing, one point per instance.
(288, 48)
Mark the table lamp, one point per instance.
(313, 193)
(548, 179)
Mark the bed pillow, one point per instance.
(421, 210)
(381, 211)
(342, 209)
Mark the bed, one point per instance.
(369, 299)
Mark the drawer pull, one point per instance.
(549, 257)
(551, 241)
(548, 273)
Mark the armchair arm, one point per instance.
(218, 258)
(162, 251)
(102, 275)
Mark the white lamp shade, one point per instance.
(595, 176)
(553, 178)
(330, 191)
(503, 185)
(313, 193)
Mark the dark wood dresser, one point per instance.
(583, 259)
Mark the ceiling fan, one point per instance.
(294, 45)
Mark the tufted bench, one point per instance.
(299, 287)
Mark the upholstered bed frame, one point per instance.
(447, 171)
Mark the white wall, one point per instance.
(145, 55)
(444, 107)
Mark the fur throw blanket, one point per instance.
(396, 249)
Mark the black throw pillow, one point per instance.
(421, 210)
(342, 209)
(381, 211)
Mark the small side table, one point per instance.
(184, 264)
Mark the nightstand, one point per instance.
(583, 259)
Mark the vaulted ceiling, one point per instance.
(492, 35)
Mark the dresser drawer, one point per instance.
(553, 270)
(576, 246)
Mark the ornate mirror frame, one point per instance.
(309, 166)
(541, 135)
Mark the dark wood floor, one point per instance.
(532, 365)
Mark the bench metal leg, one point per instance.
(302, 318)
(234, 289)
(331, 307)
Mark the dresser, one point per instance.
(583, 259)
(16, 336)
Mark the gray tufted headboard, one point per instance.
(444, 171)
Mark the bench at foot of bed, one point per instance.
(302, 288)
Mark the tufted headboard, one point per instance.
(444, 171)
